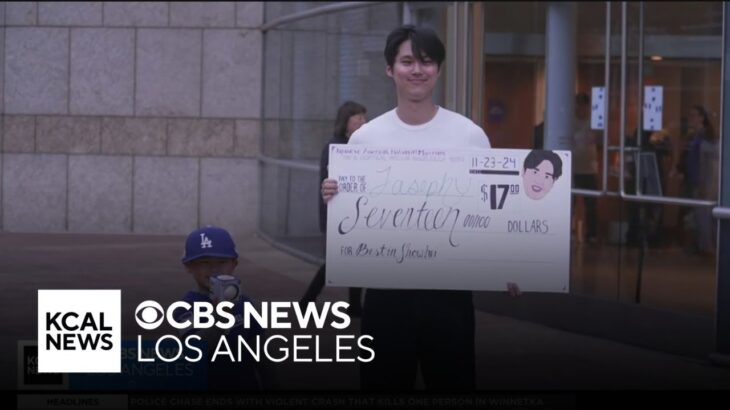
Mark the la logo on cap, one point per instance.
(205, 242)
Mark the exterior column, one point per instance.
(560, 67)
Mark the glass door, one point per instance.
(642, 230)
(665, 151)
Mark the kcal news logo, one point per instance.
(79, 331)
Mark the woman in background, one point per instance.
(700, 169)
(350, 117)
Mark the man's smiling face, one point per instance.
(414, 78)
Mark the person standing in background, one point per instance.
(350, 117)
(585, 161)
(700, 168)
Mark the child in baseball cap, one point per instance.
(210, 257)
(209, 251)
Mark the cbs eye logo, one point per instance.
(149, 315)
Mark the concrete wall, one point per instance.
(130, 117)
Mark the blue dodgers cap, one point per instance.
(209, 241)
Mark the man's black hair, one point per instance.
(424, 43)
(537, 156)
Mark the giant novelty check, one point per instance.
(449, 218)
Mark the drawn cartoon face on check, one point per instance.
(540, 171)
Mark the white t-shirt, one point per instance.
(447, 129)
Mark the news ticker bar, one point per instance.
(543, 400)
(298, 400)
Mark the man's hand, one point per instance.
(513, 289)
(329, 189)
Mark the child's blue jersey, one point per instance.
(224, 374)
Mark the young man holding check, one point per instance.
(433, 329)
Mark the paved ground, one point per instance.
(512, 355)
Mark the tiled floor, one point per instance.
(671, 279)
